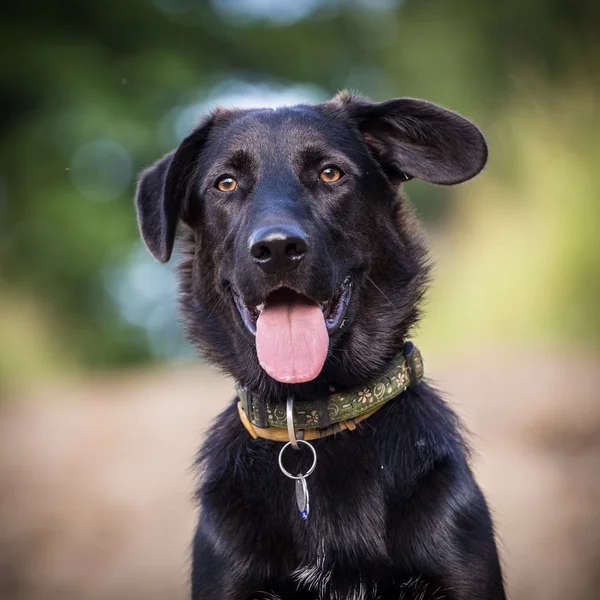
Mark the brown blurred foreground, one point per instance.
(96, 485)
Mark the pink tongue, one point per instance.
(291, 338)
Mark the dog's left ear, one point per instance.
(414, 138)
(163, 190)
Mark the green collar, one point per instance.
(406, 370)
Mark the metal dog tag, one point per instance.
(300, 479)
(302, 496)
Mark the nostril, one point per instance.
(261, 252)
(296, 249)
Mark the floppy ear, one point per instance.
(163, 190)
(414, 138)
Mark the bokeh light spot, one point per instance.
(180, 120)
(279, 12)
(101, 170)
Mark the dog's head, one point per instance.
(302, 264)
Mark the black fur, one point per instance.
(395, 510)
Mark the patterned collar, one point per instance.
(339, 411)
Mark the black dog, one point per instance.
(302, 275)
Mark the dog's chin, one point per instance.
(293, 331)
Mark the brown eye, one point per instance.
(226, 184)
(330, 174)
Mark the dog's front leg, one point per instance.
(474, 572)
(475, 578)
(447, 537)
(219, 575)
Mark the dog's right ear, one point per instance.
(163, 191)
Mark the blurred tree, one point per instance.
(85, 88)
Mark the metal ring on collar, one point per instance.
(289, 413)
(312, 467)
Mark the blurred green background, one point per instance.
(103, 403)
(92, 92)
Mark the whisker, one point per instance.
(212, 310)
(380, 291)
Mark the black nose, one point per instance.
(278, 248)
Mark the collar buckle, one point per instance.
(414, 362)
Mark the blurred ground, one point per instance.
(96, 485)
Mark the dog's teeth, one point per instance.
(260, 307)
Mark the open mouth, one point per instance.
(292, 331)
(334, 309)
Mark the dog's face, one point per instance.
(303, 265)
